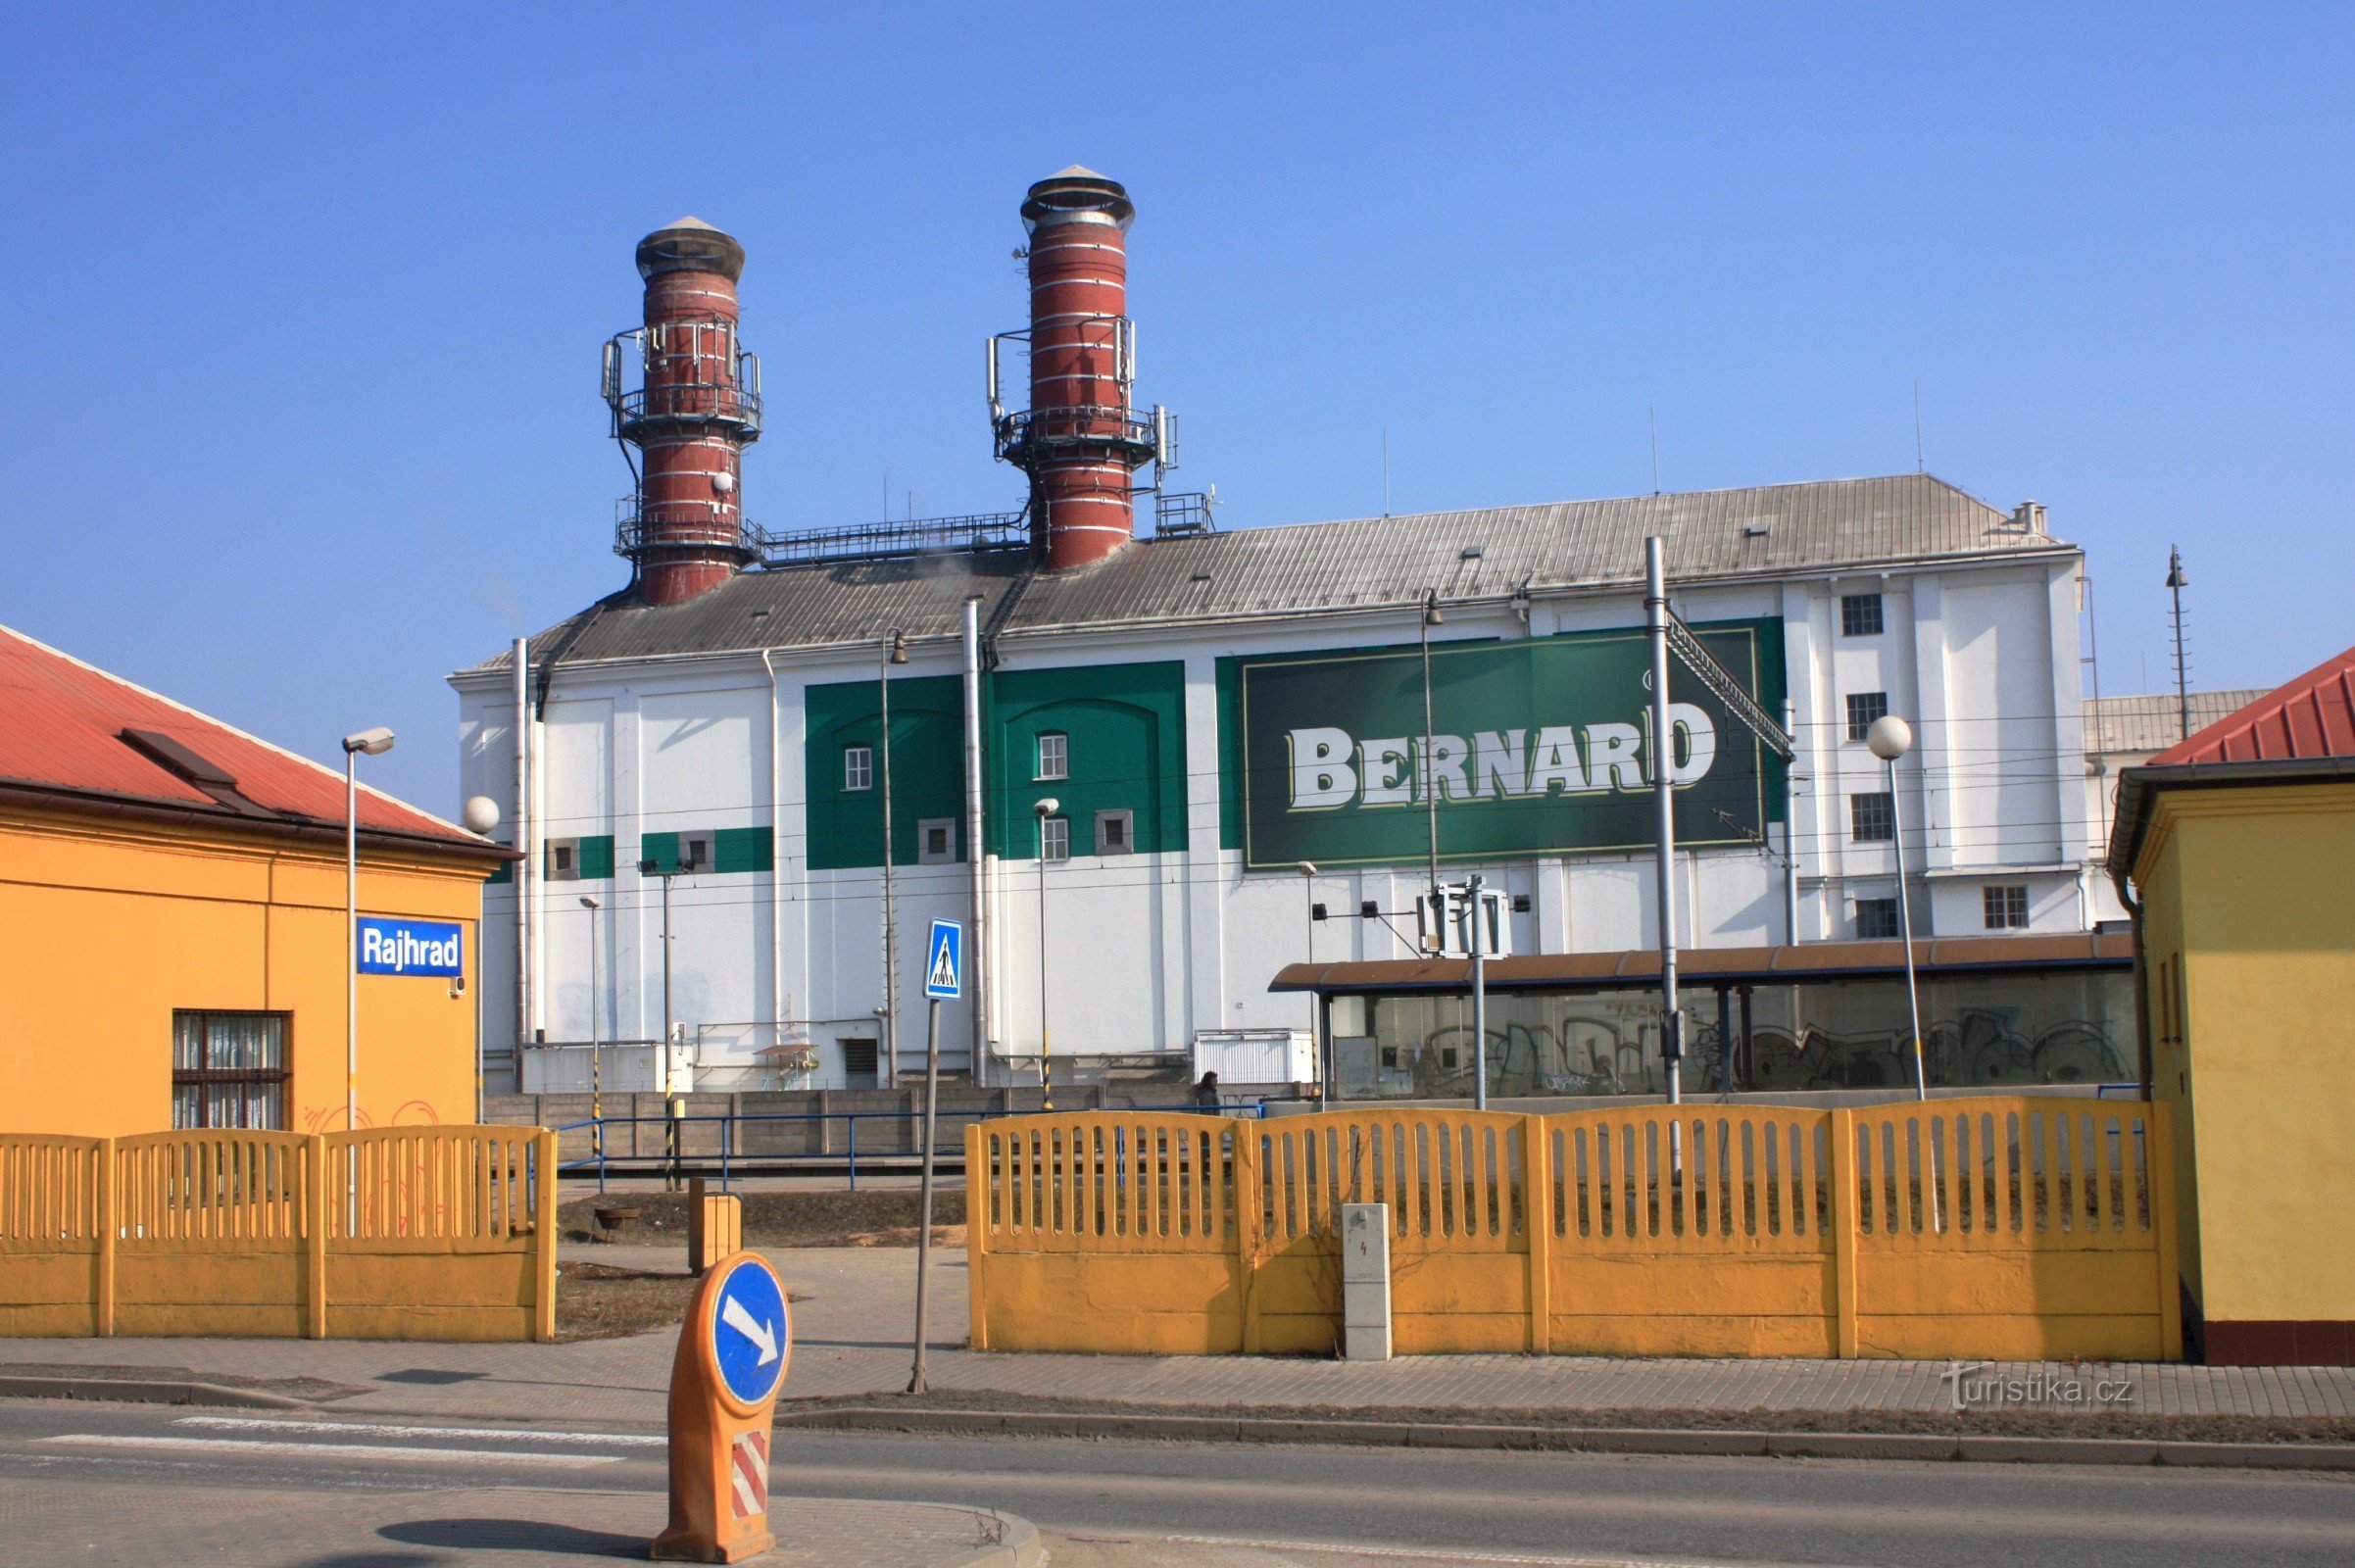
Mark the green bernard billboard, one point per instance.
(1536, 747)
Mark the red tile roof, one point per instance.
(2313, 717)
(62, 729)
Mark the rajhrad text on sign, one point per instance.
(436, 947)
(1534, 745)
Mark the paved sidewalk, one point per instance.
(850, 1337)
(507, 1528)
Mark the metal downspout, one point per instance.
(523, 866)
(776, 869)
(976, 864)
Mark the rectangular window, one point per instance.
(936, 841)
(1054, 837)
(1055, 755)
(2005, 908)
(1877, 919)
(1860, 615)
(1115, 832)
(228, 1069)
(858, 768)
(1873, 819)
(859, 1063)
(1863, 709)
(563, 859)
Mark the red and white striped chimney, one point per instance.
(696, 409)
(1082, 438)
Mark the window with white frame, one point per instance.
(1054, 837)
(1860, 615)
(2005, 908)
(858, 768)
(1054, 755)
(1864, 707)
(1877, 919)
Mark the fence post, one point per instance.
(314, 1237)
(979, 1189)
(543, 1239)
(2160, 1159)
(1843, 1233)
(110, 1226)
(1537, 1214)
(1247, 1226)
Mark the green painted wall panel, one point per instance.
(927, 768)
(1127, 730)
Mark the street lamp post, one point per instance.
(596, 1054)
(1428, 778)
(895, 651)
(674, 1110)
(373, 743)
(1044, 808)
(1891, 738)
(1307, 870)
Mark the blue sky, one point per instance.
(304, 306)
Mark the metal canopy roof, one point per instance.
(1307, 569)
(1943, 957)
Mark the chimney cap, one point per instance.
(1077, 192)
(690, 245)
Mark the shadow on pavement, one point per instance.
(502, 1535)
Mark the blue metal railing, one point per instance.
(731, 1155)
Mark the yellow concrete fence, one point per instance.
(2000, 1227)
(398, 1233)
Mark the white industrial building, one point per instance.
(1210, 710)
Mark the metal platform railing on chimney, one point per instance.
(732, 1160)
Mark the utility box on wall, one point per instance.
(1255, 1056)
(1365, 1282)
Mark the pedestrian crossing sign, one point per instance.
(944, 970)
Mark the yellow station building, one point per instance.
(2240, 843)
(173, 894)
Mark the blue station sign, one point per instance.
(752, 1330)
(416, 948)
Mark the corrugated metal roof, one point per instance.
(61, 728)
(2151, 723)
(2311, 716)
(1369, 562)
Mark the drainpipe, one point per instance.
(977, 962)
(776, 869)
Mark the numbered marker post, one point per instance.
(731, 1360)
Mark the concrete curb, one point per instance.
(1968, 1447)
(1020, 1548)
(144, 1391)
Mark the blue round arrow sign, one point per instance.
(750, 1331)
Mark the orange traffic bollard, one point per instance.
(731, 1361)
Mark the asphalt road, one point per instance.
(1116, 1505)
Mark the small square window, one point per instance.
(2005, 908)
(858, 768)
(1054, 837)
(1877, 919)
(1873, 819)
(1055, 755)
(1860, 615)
(1116, 833)
(564, 861)
(695, 852)
(1863, 709)
(936, 841)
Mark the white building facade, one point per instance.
(1179, 702)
